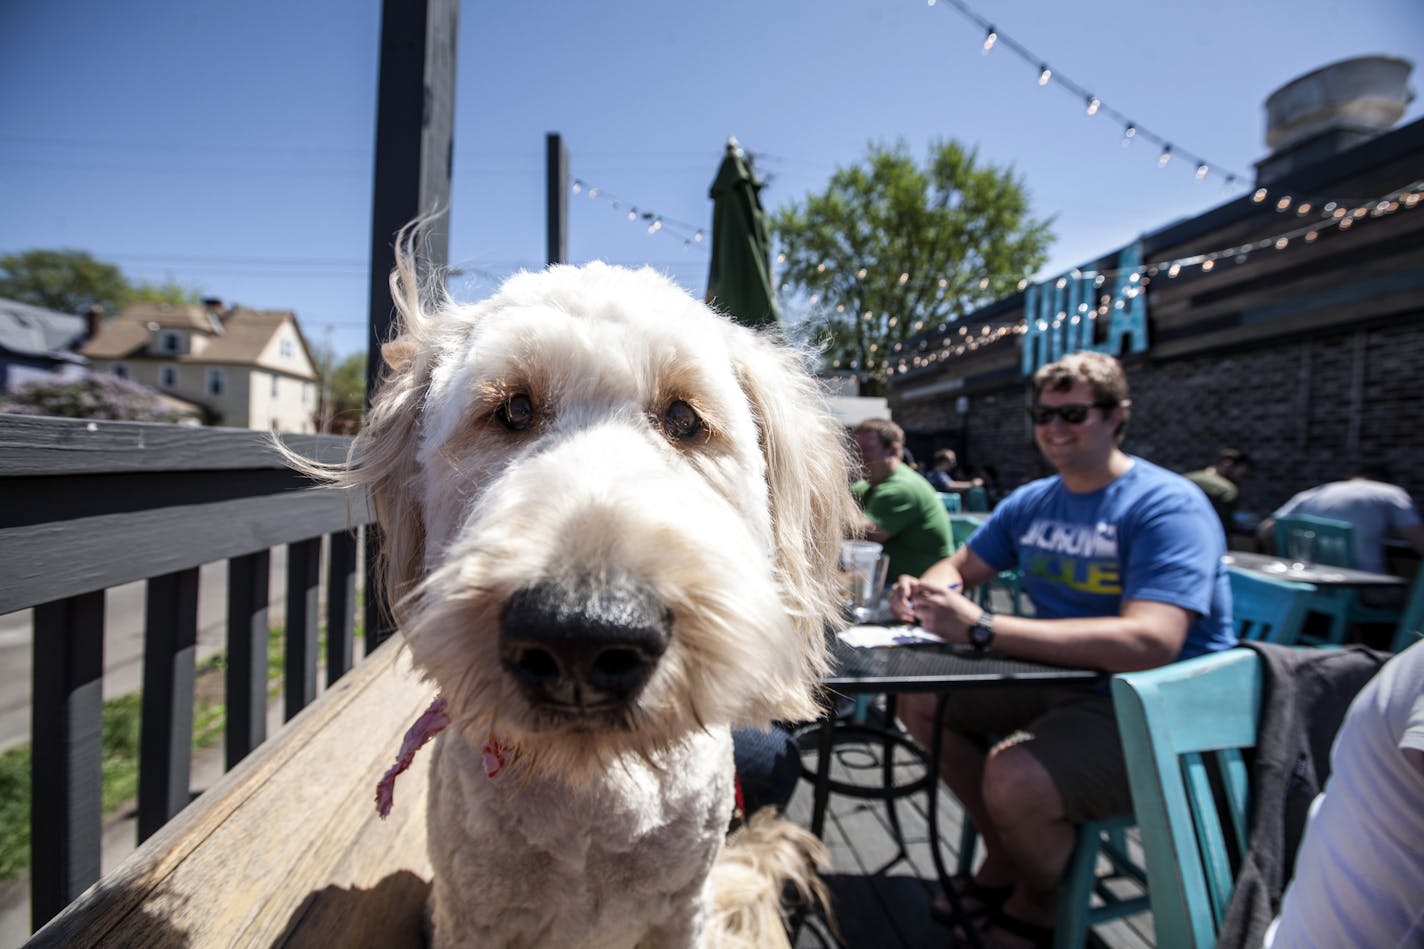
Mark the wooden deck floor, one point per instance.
(880, 897)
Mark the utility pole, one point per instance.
(557, 203)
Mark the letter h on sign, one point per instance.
(1061, 317)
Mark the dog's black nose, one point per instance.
(587, 649)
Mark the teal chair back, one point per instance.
(1411, 621)
(961, 528)
(1334, 540)
(950, 500)
(1267, 609)
(1174, 720)
(976, 499)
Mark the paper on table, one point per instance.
(866, 636)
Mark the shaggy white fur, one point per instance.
(612, 519)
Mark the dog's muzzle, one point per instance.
(582, 652)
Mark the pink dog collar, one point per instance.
(432, 721)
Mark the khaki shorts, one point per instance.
(1071, 731)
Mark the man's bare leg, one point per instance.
(1028, 813)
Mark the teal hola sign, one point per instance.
(1062, 316)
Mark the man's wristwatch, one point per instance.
(981, 632)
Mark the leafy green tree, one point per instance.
(343, 403)
(169, 291)
(68, 281)
(890, 249)
(71, 281)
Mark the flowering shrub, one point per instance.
(95, 395)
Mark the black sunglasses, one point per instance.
(1074, 413)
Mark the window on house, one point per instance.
(274, 385)
(167, 376)
(287, 349)
(170, 342)
(217, 381)
(120, 370)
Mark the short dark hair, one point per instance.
(888, 432)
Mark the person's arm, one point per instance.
(1146, 634)
(961, 570)
(873, 531)
(1266, 534)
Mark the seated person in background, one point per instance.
(1220, 481)
(1122, 560)
(1367, 500)
(1359, 874)
(944, 474)
(902, 512)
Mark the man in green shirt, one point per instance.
(903, 513)
(1221, 482)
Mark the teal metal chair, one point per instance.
(976, 500)
(1266, 609)
(1174, 720)
(950, 500)
(1411, 622)
(1334, 546)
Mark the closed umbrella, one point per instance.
(739, 280)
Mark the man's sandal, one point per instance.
(978, 900)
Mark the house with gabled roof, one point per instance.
(246, 368)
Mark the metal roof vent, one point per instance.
(1331, 109)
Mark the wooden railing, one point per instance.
(92, 505)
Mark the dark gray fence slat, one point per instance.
(43, 562)
(170, 649)
(340, 603)
(32, 445)
(248, 581)
(66, 764)
(303, 619)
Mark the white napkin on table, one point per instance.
(864, 637)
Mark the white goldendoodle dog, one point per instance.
(612, 521)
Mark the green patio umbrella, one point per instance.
(739, 280)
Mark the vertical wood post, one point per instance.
(415, 121)
(66, 764)
(170, 648)
(557, 200)
(248, 581)
(340, 603)
(303, 621)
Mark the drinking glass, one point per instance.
(1302, 549)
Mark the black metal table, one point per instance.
(928, 667)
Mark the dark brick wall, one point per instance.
(1305, 409)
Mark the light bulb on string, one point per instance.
(990, 38)
(1165, 157)
(1259, 196)
(578, 186)
(1044, 74)
(1201, 171)
(1129, 132)
(1093, 105)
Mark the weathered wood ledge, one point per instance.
(287, 849)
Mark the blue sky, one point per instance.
(229, 146)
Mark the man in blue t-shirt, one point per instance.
(1122, 560)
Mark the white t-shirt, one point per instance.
(1376, 509)
(1359, 874)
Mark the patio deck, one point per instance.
(880, 899)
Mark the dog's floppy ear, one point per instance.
(808, 474)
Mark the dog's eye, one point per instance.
(680, 421)
(517, 413)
